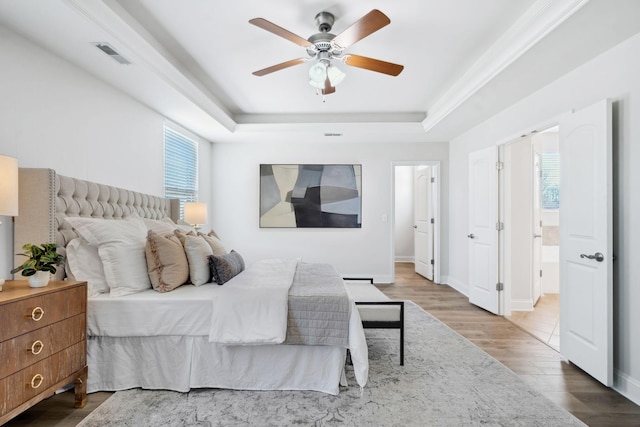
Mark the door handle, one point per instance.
(537, 235)
(471, 236)
(597, 256)
(415, 226)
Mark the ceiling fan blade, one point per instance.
(279, 67)
(373, 64)
(368, 24)
(279, 31)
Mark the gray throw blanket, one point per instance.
(318, 307)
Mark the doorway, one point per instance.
(416, 216)
(531, 213)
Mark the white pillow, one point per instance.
(121, 245)
(85, 264)
(198, 252)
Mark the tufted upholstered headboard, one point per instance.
(46, 198)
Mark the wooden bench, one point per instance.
(376, 310)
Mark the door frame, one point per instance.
(437, 254)
(504, 260)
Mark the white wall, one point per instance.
(53, 115)
(403, 235)
(365, 252)
(614, 75)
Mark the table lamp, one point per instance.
(195, 213)
(8, 190)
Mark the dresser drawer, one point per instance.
(26, 315)
(20, 352)
(29, 382)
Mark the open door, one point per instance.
(424, 218)
(586, 257)
(536, 226)
(483, 234)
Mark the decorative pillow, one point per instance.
(215, 243)
(85, 264)
(158, 226)
(121, 246)
(185, 226)
(213, 233)
(226, 267)
(166, 262)
(181, 234)
(197, 250)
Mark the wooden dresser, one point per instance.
(43, 343)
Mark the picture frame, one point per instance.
(310, 196)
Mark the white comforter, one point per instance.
(252, 307)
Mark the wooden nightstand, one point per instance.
(43, 343)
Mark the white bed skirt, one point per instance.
(181, 363)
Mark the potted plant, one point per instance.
(41, 262)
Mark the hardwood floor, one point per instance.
(536, 363)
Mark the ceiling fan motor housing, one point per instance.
(324, 21)
(322, 40)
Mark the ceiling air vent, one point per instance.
(109, 50)
(332, 134)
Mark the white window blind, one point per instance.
(550, 180)
(180, 168)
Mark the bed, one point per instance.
(192, 336)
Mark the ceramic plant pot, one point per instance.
(40, 279)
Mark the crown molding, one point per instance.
(538, 21)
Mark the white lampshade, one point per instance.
(323, 69)
(318, 74)
(195, 213)
(335, 74)
(8, 186)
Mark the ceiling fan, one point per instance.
(324, 47)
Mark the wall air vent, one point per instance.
(109, 50)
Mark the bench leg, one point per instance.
(402, 334)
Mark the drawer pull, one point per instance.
(36, 347)
(36, 381)
(37, 314)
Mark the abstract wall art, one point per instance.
(304, 196)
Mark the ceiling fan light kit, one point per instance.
(323, 48)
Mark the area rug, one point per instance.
(446, 381)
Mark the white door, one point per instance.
(536, 226)
(483, 236)
(586, 257)
(423, 216)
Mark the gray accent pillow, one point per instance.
(225, 267)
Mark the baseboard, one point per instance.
(455, 284)
(404, 259)
(521, 305)
(627, 386)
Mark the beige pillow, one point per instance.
(181, 234)
(166, 262)
(215, 243)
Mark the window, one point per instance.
(180, 167)
(550, 180)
